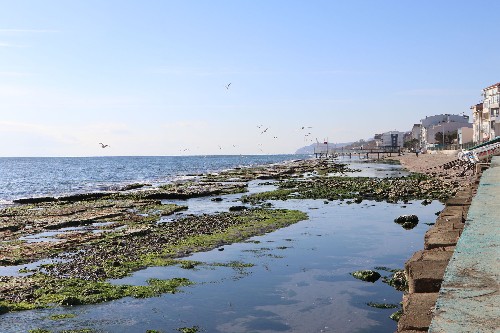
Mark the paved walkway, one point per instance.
(469, 298)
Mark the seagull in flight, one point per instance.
(103, 145)
(264, 131)
(227, 86)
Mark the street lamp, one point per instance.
(443, 135)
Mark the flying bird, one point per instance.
(227, 86)
(103, 145)
(264, 131)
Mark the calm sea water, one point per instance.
(22, 177)
(300, 281)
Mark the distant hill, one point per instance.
(310, 149)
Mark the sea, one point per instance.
(300, 279)
(23, 177)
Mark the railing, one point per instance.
(480, 154)
(454, 146)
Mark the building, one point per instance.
(490, 114)
(416, 131)
(390, 139)
(481, 123)
(465, 135)
(442, 123)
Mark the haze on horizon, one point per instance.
(151, 78)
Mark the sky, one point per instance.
(149, 77)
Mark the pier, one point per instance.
(379, 152)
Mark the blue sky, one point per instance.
(149, 77)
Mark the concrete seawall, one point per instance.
(469, 298)
(425, 270)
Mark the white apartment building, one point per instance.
(486, 115)
(442, 123)
(416, 131)
(390, 139)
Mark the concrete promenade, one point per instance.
(469, 296)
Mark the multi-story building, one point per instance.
(416, 131)
(491, 106)
(465, 135)
(442, 123)
(481, 122)
(390, 139)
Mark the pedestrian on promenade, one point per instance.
(417, 151)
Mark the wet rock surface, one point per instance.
(397, 189)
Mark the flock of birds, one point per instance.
(260, 127)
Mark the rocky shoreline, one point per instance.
(99, 236)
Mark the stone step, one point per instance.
(459, 200)
(417, 312)
(425, 270)
(448, 224)
(441, 238)
(454, 212)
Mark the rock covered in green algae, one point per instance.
(366, 275)
(413, 187)
(398, 281)
(407, 221)
(396, 315)
(406, 218)
(79, 278)
(382, 305)
(193, 329)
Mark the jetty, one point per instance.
(360, 152)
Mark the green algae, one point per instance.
(281, 194)
(387, 269)
(54, 287)
(396, 315)
(233, 264)
(62, 316)
(413, 187)
(398, 280)
(382, 305)
(366, 275)
(72, 291)
(193, 329)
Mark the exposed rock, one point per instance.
(366, 275)
(406, 218)
(237, 208)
